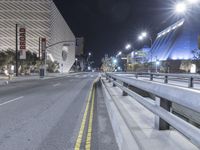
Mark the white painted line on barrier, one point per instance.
(11, 100)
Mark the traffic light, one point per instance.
(199, 41)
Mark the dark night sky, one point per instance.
(108, 25)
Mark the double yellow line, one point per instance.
(84, 120)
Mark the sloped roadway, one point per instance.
(48, 114)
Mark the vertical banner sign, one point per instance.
(44, 41)
(22, 42)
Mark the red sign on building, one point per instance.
(22, 42)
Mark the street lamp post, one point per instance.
(16, 57)
(76, 63)
(141, 37)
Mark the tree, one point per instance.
(196, 56)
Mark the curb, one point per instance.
(6, 82)
(122, 133)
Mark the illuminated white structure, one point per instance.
(41, 19)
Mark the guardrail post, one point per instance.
(166, 79)
(106, 77)
(124, 93)
(109, 79)
(114, 85)
(151, 77)
(191, 84)
(136, 75)
(160, 124)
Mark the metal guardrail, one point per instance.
(186, 97)
(191, 79)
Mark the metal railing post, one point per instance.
(136, 75)
(191, 84)
(161, 124)
(114, 85)
(109, 79)
(166, 79)
(151, 77)
(124, 93)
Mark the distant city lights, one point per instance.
(128, 46)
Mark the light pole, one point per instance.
(157, 64)
(141, 37)
(88, 57)
(76, 62)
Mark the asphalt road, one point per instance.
(47, 114)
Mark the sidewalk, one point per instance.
(5, 80)
(134, 125)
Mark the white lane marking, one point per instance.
(57, 84)
(12, 100)
(92, 76)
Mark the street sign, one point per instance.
(44, 41)
(22, 42)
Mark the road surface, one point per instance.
(47, 115)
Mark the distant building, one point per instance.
(42, 19)
(79, 46)
(177, 41)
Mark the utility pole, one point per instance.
(16, 52)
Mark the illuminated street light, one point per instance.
(115, 61)
(119, 53)
(193, 1)
(140, 37)
(89, 54)
(180, 8)
(144, 34)
(128, 46)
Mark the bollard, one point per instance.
(191, 84)
(160, 124)
(166, 79)
(151, 77)
(124, 93)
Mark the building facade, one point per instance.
(42, 19)
(177, 41)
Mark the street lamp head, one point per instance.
(89, 54)
(144, 34)
(140, 38)
(115, 61)
(128, 46)
(157, 62)
(76, 59)
(119, 53)
(181, 8)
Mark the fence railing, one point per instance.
(190, 79)
(165, 95)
